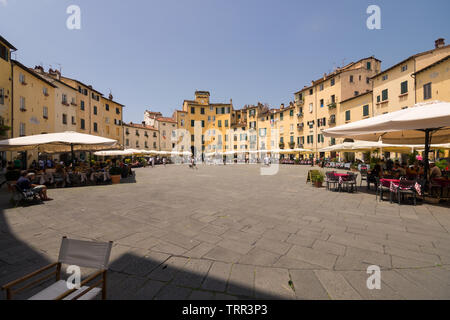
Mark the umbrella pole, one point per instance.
(73, 155)
(427, 150)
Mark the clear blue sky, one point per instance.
(157, 53)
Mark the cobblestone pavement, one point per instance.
(227, 232)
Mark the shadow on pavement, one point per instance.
(129, 277)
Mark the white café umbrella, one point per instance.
(407, 126)
(425, 123)
(58, 143)
(367, 146)
(126, 152)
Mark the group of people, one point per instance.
(397, 170)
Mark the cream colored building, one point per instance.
(140, 136)
(167, 128)
(96, 114)
(394, 88)
(319, 105)
(433, 81)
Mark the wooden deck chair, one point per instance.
(84, 254)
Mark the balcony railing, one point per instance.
(300, 126)
(300, 114)
(332, 105)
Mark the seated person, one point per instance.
(24, 183)
(399, 171)
(435, 172)
(372, 174)
(412, 170)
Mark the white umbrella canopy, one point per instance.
(126, 152)
(346, 146)
(425, 123)
(301, 150)
(360, 146)
(297, 150)
(58, 142)
(405, 126)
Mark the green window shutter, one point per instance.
(384, 94)
(404, 87)
(365, 110)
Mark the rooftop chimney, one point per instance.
(282, 106)
(110, 96)
(439, 43)
(54, 73)
(39, 69)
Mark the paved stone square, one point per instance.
(227, 232)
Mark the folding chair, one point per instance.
(84, 254)
(406, 188)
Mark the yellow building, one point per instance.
(110, 118)
(5, 86)
(33, 109)
(433, 81)
(319, 105)
(65, 107)
(354, 109)
(207, 124)
(394, 88)
(140, 136)
(96, 114)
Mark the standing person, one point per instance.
(164, 161)
(153, 162)
(17, 163)
(41, 164)
(193, 165)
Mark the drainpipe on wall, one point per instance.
(12, 99)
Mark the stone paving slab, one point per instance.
(226, 232)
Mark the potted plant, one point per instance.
(318, 179)
(116, 174)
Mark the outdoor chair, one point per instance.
(332, 180)
(19, 195)
(350, 183)
(406, 188)
(364, 175)
(84, 254)
(58, 180)
(380, 189)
